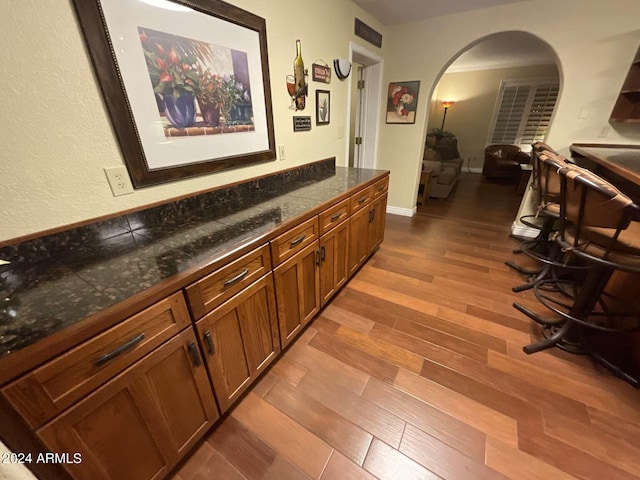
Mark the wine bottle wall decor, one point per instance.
(299, 74)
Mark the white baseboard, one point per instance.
(523, 231)
(475, 170)
(405, 212)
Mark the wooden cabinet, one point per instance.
(366, 231)
(334, 267)
(297, 291)
(46, 391)
(240, 340)
(138, 425)
(627, 107)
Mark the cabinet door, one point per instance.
(138, 425)
(240, 339)
(377, 222)
(358, 239)
(297, 292)
(334, 267)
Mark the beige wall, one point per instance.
(57, 136)
(475, 95)
(594, 41)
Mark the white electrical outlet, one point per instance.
(119, 180)
(283, 152)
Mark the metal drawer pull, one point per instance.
(323, 253)
(237, 278)
(361, 200)
(381, 188)
(298, 240)
(317, 257)
(209, 341)
(193, 348)
(336, 217)
(119, 351)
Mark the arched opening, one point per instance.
(501, 89)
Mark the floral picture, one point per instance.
(197, 86)
(323, 106)
(186, 84)
(402, 102)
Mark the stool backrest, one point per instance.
(548, 179)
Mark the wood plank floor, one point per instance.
(416, 371)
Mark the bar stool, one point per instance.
(541, 248)
(600, 227)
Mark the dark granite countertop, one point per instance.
(56, 281)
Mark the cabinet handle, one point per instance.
(298, 240)
(372, 215)
(323, 253)
(119, 351)
(381, 188)
(209, 341)
(336, 217)
(237, 278)
(193, 348)
(317, 257)
(361, 200)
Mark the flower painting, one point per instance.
(199, 88)
(402, 101)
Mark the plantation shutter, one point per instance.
(524, 112)
(544, 101)
(512, 107)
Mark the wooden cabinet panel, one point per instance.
(209, 292)
(46, 391)
(334, 267)
(361, 199)
(358, 239)
(240, 339)
(297, 292)
(378, 218)
(294, 240)
(138, 425)
(333, 216)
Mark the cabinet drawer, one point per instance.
(217, 287)
(46, 391)
(361, 199)
(294, 240)
(333, 216)
(380, 187)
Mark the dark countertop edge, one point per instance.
(44, 350)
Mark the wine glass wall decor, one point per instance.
(297, 83)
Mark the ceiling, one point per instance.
(393, 12)
(505, 49)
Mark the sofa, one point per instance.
(503, 162)
(444, 173)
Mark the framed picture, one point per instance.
(323, 107)
(186, 84)
(402, 100)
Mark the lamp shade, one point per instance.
(342, 66)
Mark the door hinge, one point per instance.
(358, 140)
(360, 84)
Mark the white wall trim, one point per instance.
(505, 65)
(405, 212)
(522, 231)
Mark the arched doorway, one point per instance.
(495, 89)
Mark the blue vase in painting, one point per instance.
(180, 111)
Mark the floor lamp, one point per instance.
(446, 105)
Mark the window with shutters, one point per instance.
(523, 112)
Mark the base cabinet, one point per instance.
(240, 340)
(334, 267)
(367, 232)
(297, 283)
(138, 425)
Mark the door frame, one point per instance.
(371, 109)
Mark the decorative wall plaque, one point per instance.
(301, 124)
(363, 30)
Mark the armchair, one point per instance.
(503, 161)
